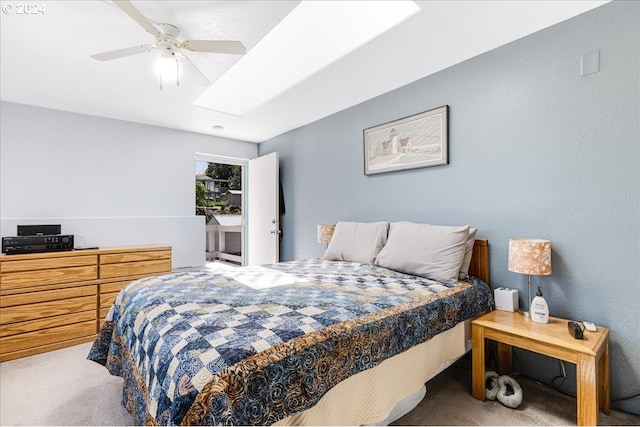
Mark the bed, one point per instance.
(316, 341)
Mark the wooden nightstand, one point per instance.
(590, 355)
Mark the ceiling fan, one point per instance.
(167, 42)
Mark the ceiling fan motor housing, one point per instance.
(167, 40)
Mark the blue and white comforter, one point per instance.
(253, 345)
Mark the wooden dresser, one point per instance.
(59, 299)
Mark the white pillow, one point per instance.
(432, 251)
(357, 241)
(468, 251)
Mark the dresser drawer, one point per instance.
(103, 315)
(114, 286)
(10, 266)
(21, 313)
(34, 278)
(46, 323)
(106, 300)
(135, 256)
(124, 269)
(44, 296)
(47, 336)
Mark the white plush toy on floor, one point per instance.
(503, 388)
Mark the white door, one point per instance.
(263, 210)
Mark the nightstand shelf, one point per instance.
(590, 355)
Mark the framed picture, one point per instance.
(417, 141)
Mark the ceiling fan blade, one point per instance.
(215, 46)
(196, 68)
(137, 16)
(114, 54)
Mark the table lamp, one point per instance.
(531, 257)
(325, 232)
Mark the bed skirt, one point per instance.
(380, 395)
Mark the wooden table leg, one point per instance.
(587, 390)
(504, 359)
(477, 355)
(604, 398)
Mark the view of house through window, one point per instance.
(219, 199)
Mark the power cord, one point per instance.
(633, 396)
(563, 376)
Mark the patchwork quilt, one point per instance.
(253, 345)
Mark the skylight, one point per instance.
(314, 35)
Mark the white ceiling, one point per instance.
(45, 58)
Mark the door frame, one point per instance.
(244, 163)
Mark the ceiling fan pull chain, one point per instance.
(160, 81)
(177, 73)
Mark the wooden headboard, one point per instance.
(480, 260)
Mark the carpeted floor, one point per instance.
(449, 402)
(63, 388)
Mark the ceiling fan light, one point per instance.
(167, 68)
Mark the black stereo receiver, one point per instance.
(39, 243)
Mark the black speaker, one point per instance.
(36, 230)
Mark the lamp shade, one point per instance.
(325, 231)
(530, 256)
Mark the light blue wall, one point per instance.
(536, 150)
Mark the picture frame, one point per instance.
(417, 141)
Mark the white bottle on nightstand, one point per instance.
(539, 308)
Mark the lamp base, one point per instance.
(524, 313)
